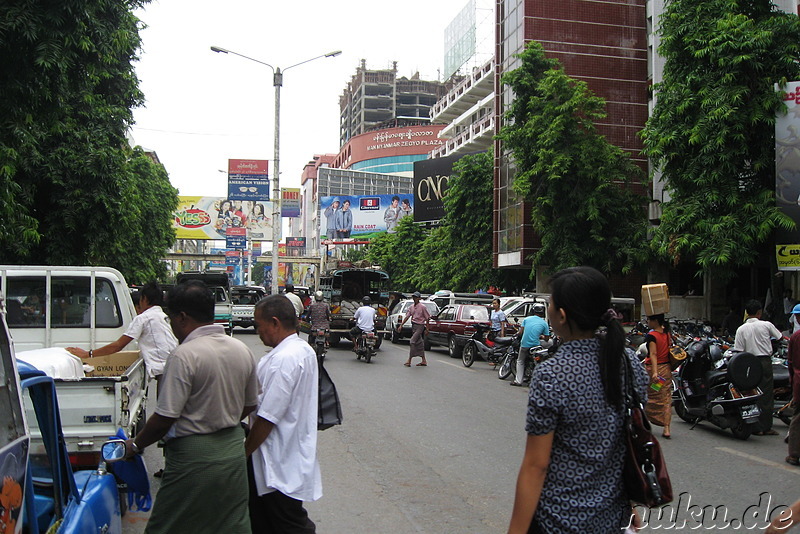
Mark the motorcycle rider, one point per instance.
(319, 314)
(533, 329)
(365, 320)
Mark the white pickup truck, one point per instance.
(85, 307)
(244, 300)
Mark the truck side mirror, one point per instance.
(113, 450)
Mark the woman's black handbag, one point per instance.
(330, 409)
(645, 470)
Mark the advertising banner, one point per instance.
(210, 218)
(348, 216)
(236, 238)
(248, 180)
(290, 202)
(787, 176)
(430, 185)
(296, 246)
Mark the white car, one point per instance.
(399, 313)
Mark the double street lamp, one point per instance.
(277, 81)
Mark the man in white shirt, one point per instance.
(150, 328)
(755, 336)
(294, 299)
(282, 443)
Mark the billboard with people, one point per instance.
(211, 217)
(343, 216)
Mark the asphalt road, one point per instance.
(436, 450)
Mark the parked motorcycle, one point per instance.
(721, 388)
(493, 351)
(366, 346)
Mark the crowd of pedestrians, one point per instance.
(570, 478)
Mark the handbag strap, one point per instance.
(629, 393)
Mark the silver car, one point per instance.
(399, 313)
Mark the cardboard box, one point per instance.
(655, 299)
(112, 365)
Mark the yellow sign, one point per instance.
(788, 257)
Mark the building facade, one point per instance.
(373, 98)
(601, 43)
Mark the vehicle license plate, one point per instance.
(750, 411)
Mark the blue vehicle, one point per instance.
(46, 497)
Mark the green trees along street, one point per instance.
(711, 134)
(577, 183)
(72, 191)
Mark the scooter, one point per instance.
(721, 388)
(493, 351)
(509, 366)
(366, 346)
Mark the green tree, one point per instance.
(458, 255)
(397, 253)
(579, 186)
(711, 134)
(68, 88)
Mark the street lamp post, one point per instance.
(277, 224)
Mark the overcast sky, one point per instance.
(203, 108)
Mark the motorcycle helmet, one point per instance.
(716, 352)
(697, 349)
(538, 309)
(366, 300)
(318, 296)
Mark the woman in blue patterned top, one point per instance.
(570, 480)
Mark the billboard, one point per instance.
(248, 179)
(295, 246)
(349, 216)
(290, 202)
(210, 218)
(431, 177)
(787, 176)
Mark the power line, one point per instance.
(195, 133)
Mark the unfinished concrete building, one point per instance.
(375, 98)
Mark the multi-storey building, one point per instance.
(374, 97)
(601, 43)
(468, 107)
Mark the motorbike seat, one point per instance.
(504, 340)
(780, 375)
(714, 378)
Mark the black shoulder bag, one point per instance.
(645, 470)
(330, 409)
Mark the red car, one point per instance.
(453, 326)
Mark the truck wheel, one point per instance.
(395, 337)
(335, 338)
(378, 341)
(427, 344)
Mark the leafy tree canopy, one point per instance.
(577, 184)
(711, 134)
(72, 191)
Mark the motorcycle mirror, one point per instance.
(113, 450)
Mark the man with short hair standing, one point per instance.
(282, 443)
(209, 386)
(294, 299)
(755, 336)
(150, 328)
(794, 380)
(419, 316)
